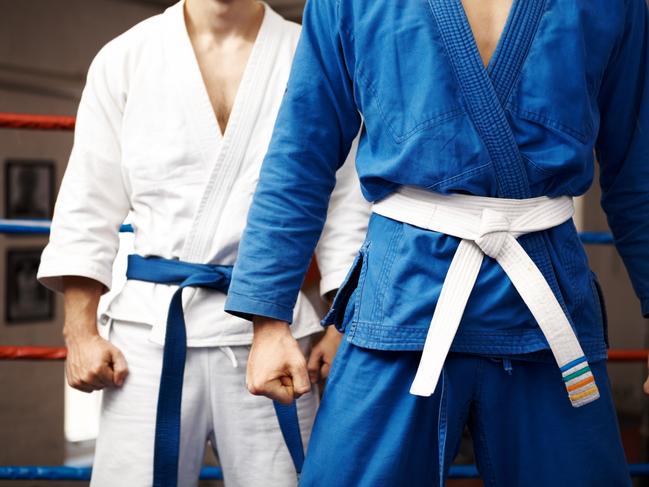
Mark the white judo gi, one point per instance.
(147, 144)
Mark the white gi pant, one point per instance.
(216, 406)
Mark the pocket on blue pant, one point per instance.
(346, 303)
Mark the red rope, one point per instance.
(59, 353)
(628, 355)
(32, 353)
(38, 122)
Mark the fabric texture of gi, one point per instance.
(147, 145)
(579, 85)
(521, 436)
(216, 407)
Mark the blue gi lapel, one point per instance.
(485, 92)
(483, 102)
(514, 44)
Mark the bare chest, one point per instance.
(487, 19)
(222, 71)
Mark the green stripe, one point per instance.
(583, 371)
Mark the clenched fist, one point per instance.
(94, 363)
(276, 366)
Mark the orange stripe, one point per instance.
(581, 395)
(581, 383)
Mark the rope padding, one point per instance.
(36, 122)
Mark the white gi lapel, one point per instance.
(229, 156)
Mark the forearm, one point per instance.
(81, 299)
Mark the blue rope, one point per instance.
(215, 473)
(42, 227)
(38, 227)
(76, 473)
(596, 238)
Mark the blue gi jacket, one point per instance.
(582, 87)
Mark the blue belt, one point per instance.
(167, 433)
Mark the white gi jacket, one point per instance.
(147, 143)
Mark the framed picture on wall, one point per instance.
(26, 299)
(29, 189)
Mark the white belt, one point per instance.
(490, 226)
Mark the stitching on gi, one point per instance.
(359, 289)
(464, 174)
(258, 300)
(513, 83)
(377, 312)
(568, 254)
(420, 126)
(551, 123)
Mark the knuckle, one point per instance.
(257, 388)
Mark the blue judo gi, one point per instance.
(568, 79)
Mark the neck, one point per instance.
(223, 18)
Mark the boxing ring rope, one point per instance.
(37, 227)
(59, 353)
(36, 122)
(42, 227)
(215, 473)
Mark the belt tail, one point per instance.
(167, 432)
(457, 287)
(580, 382)
(289, 425)
(552, 319)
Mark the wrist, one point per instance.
(332, 331)
(263, 326)
(75, 333)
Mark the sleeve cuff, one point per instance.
(332, 281)
(246, 307)
(51, 274)
(644, 303)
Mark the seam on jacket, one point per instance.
(552, 123)
(460, 176)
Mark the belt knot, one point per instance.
(494, 229)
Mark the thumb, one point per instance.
(120, 367)
(300, 376)
(282, 390)
(646, 386)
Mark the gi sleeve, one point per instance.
(92, 200)
(316, 125)
(345, 227)
(623, 147)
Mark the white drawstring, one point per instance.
(230, 354)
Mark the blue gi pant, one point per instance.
(371, 432)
